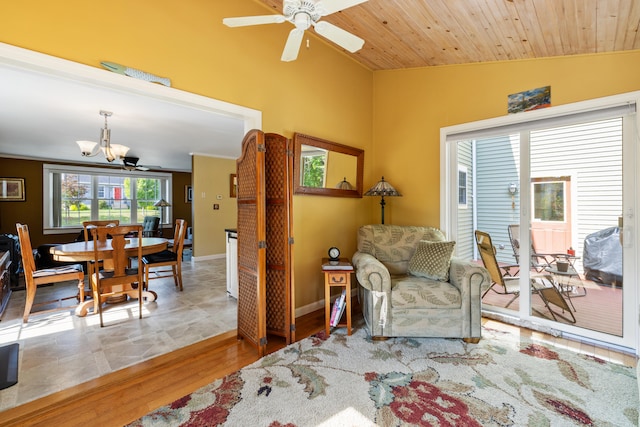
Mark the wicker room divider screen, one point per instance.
(265, 239)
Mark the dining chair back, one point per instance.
(171, 257)
(34, 278)
(112, 283)
(88, 226)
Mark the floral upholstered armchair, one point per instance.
(410, 285)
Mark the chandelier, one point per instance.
(111, 151)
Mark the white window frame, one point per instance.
(47, 186)
(463, 169)
(564, 200)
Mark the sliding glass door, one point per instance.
(553, 195)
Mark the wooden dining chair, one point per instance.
(34, 278)
(171, 257)
(105, 284)
(88, 226)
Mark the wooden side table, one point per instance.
(337, 274)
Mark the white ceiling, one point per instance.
(43, 113)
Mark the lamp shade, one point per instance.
(344, 185)
(88, 148)
(162, 203)
(382, 188)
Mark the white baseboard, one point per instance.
(207, 257)
(309, 308)
(317, 305)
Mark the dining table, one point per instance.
(84, 252)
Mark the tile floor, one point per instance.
(59, 349)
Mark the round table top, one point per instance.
(83, 251)
(570, 272)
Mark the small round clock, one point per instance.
(334, 253)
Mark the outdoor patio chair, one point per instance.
(539, 261)
(501, 283)
(541, 284)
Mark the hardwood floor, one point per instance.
(123, 396)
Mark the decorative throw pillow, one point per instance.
(432, 260)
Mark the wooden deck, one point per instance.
(599, 310)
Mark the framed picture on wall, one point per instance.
(12, 190)
(188, 194)
(233, 185)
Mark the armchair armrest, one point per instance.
(373, 276)
(371, 273)
(469, 277)
(472, 280)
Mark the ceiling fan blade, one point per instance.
(332, 6)
(244, 21)
(291, 49)
(339, 36)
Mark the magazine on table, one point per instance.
(338, 308)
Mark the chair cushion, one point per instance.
(164, 256)
(432, 260)
(74, 268)
(416, 292)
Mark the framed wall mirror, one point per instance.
(326, 168)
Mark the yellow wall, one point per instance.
(410, 107)
(323, 93)
(210, 180)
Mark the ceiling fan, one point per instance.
(303, 14)
(131, 164)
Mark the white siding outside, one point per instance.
(498, 162)
(466, 238)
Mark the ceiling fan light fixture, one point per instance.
(302, 21)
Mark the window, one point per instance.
(462, 186)
(548, 201)
(314, 165)
(78, 194)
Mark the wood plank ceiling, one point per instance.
(419, 33)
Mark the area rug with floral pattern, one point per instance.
(505, 380)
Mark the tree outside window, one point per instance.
(313, 170)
